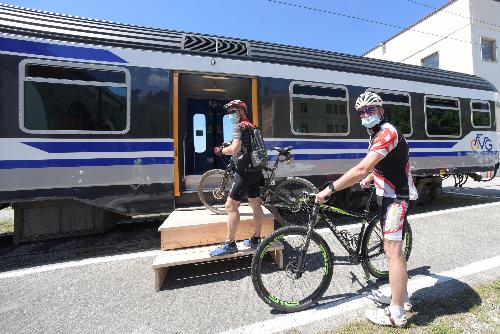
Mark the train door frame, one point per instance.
(179, 156)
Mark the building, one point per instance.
(461, 36)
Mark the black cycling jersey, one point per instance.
(392, 176)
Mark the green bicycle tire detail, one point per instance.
(325, 258)
(264, 252)
(318, 288)
(276, 300)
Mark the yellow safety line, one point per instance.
(255, 103)
(177, 177)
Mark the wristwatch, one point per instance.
(331, 187)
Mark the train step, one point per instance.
(201, 254)
(190, 228)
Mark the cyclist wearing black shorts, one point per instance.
(247, 179)
(387, 165)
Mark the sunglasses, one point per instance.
(368, 110)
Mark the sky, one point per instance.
(263, 20)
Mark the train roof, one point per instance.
(21, 21)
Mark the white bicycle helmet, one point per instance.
(368, 99)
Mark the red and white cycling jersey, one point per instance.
(391, 180)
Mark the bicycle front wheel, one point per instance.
(286, 206)
(373, 248)
(213, 190)
(281, 284)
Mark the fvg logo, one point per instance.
(481, 142)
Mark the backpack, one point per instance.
(258, 153)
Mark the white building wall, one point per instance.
(487, 11)
(420, 41)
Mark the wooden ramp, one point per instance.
(186, 234)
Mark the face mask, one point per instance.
(370, 121)
(234, 118)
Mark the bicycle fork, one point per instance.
(313, 219)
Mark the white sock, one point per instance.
(396, 311)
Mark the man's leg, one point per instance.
(233, 218)
(398, 275)
(258, 214)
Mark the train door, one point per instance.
(202, 123)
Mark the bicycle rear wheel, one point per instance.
(281, 287)
(373, 248)
(213, 190)
(285, 204)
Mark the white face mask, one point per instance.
(234, 118)
(370, 121)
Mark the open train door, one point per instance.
(200, 124)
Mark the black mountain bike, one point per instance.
(279, 197)
(306, 270)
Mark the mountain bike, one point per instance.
(305, 273)
(279, 197)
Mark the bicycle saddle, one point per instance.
(283, 150)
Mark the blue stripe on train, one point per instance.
(55, 50)
(298, 145)
(362, 155)
(72, 147)
(11, 164)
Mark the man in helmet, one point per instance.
(247, 179)
(387, 164)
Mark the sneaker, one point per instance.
(379, 297)
(252, 242)
(383, 317)
(224, 249)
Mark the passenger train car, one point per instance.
(102, 118)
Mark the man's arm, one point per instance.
(353, 175)
(232, 149)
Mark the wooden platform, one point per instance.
(201, 254)
(191, 228)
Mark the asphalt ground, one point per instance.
(118, 296)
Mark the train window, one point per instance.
(200, 130)
(442, 117)
(480, 114)
(397, 109)
(318, 109)
(71, 98)
(77, 74)
(227, 129)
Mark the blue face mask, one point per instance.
(234, 118)
(370, 121)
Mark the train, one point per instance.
(101, 120)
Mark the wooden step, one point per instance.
(191, 228)
(201, 254)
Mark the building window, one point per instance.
(326, 109)
(431, 60)
(442, 117)
(481, 115)
(488, 49)
(397, 109)
(74, 98)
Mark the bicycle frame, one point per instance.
(351, 243)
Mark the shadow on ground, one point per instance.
(450, 297)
